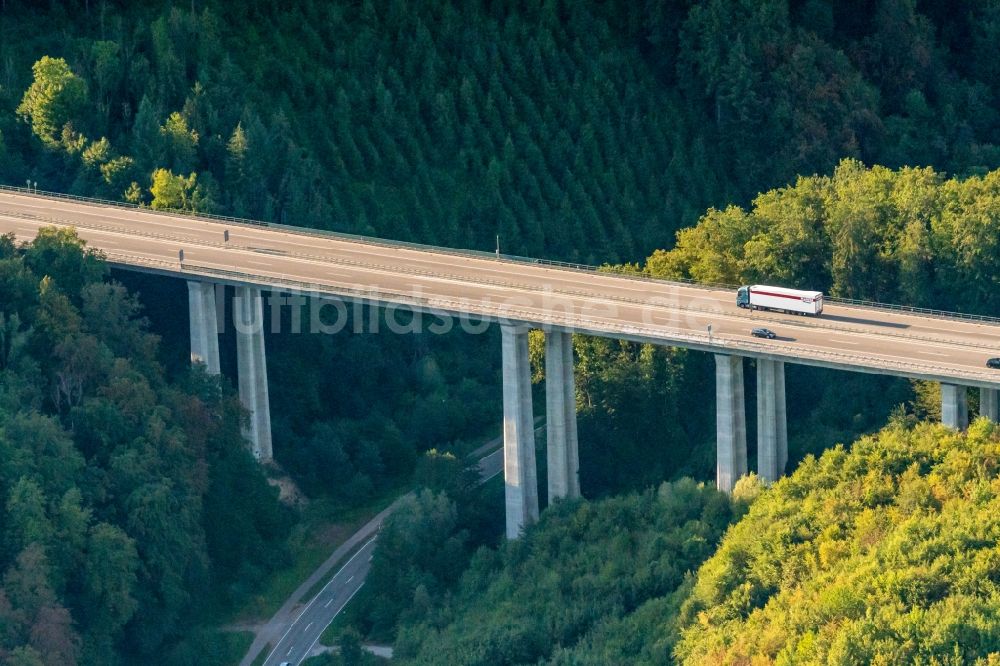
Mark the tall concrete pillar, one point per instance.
(560, 418)
(204, 325)
(988, 404)
(782, 414)
(954, 406)
(520, 474)
(572, 444)
(772, 428)
(248, 317)
(730, 422)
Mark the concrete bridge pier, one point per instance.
(560, 407)
(954, 406)
(520, 474)
(730, 421)
(988, 404)
(204, 325)
(248, 318)
(772, 426)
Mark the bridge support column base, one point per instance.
(988, 404)
(772, 427)
(954, 406)
(248, 317)
(520, 474)
(560, 421)
(730, 421)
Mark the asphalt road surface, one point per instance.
(301, 636)
(858, 338)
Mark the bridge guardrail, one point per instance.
(803, 322)
(479, 254)
(446, 304)
(719, 344)
(930, 312)
(131, 259)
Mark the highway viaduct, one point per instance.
(520, 294)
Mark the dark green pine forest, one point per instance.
(586, 131)
(850, 146)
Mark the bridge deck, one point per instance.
(847, 337)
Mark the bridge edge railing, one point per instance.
(480, 254)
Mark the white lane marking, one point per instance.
(350, 579)
(307, 627)
(868, 336)
(580, 301)
(342, 246)
(717, 297)
(337, 245)
(370, 557)
(309, 605)
(579, 298)
(843, 341)
(327, 604)
(920, 351)
(289, 650)
(309, 649)
(146, 218)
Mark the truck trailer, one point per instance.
(764, 297)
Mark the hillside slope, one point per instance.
(885, 554)
(123, 491)
(584, 566)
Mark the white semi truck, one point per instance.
(764, 297)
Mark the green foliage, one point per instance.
(626, 392)
(97, 153)
(54, 100)
(452, 123)
(180, 143)
(350, 647)
(123, 492)
(421, 551)
(58, 254)
(117, 172)
(580, 131)
(586, 566)
(172, 192)
(883, 554)
(907, 236)
(348, 430)
(443, 472)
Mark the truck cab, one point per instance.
(743, 297)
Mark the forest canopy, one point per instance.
(908, 236)
(589, 132)
(123, 491)
(886, 553)
(586, 131)
(883, 552)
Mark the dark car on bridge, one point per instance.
(993, 363)
(763, 333)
